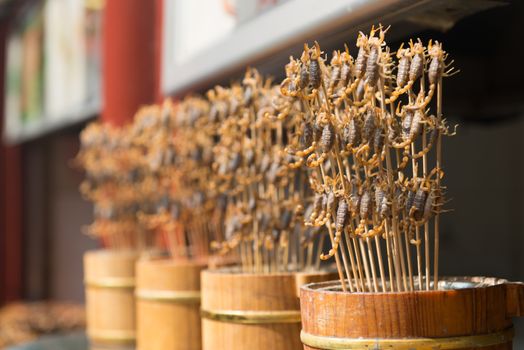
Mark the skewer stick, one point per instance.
(389, 254)
(363, 253)
(426, 224)
(439, 166)
(348, 243)
(402, 261)
(346, 267)
(410, 267)
(394, 213)
(371, 255)
(354, 246)
(379, 252)
(407, 246)
(309, 263)
(320, 246)
(414, 166)
(352, 259)
(372, 261)
(328, 224)
(365, 261)
(337, 258)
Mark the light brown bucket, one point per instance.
(252, 311)
(168, 304)
(109, 278)
(467, 313)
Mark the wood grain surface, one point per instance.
(110, 310)
(226, 290)
(484, 309)
(166, 323)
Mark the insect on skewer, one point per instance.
(358, 99)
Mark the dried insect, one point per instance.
(418, 61)
(369, 126)
(365, 205)
(307, 143)
(374, 56)
(303, 81)
(410, 68)
(342, 217)
(436, 71)
(293, 80)
(372, 65)
(406, 124)
(324, 214)
(311, 58)
(314, 73)
(360, 61)
(434, 130)
(327, 140)
(341, 222)
(359, 92)
(378, 141)
(417, 210)
(411, 127)
(350, 134)
(410, 198)
(330, 205)
(346, 70)
(416, 124)
(355, 201)
(404, 64)
(285, 219)
(428, 206)
(346, 67)
(317, 207)
(336, 67)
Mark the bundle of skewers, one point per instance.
(348, 151)
(261, 195)
(180, 159)
(149, 180)
(113, 169)
(371, 136)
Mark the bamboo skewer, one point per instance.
(439, 166)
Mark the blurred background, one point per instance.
(66, 62)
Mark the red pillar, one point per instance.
(130, 58)
(11, 225)
(159, 25)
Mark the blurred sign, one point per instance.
(52, 68)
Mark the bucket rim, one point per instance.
(236, 271)
(446, 284)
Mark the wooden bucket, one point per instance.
(109, 278)
(252, 311)
(472, 313)
(168, 304)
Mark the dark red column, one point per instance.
(11, 224)
(10, 203)
(130, 58)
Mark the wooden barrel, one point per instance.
(252, 311)
(467, 313)
(109, 278)
(168, 304)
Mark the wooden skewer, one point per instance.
(372, 262)
(399, 274)
(439, 166)
(380, 264)
(366, 266)
(426, 224)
